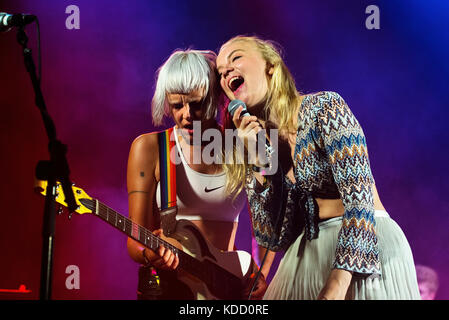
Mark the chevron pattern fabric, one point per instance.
(331, 161)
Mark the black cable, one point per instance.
(281, 212)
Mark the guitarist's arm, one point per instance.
(142, 178)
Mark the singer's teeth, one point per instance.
(235, 83)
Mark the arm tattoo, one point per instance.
(142, 174)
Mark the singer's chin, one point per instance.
(186, 134)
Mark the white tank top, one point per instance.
(202, 196)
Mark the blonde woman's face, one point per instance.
(243, 73)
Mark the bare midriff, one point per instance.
(331, 208)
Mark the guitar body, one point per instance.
(237, 263)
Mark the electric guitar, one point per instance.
(210, 273)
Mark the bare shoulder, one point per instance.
(144, 151)
(147, 140)
(145, 144)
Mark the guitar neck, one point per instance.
(130, 228)
(220, 282)
(144, 236)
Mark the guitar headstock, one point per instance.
(84, 202)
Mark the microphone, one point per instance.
(233, 106)
(8, 21)
(271, 165)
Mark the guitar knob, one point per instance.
(60, 210)
(70, 215)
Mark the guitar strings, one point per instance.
(193, 264)
(105, 211)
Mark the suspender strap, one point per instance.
(167, 169)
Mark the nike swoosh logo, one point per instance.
(210, 190)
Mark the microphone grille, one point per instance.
(233, 106)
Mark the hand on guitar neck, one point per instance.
(163, 258)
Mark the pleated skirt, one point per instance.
(306, 265)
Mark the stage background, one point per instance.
(98, 81)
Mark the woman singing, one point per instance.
(340, 242)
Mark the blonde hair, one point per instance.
(280, 107)
(183, 72)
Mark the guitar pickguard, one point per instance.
(192, 240)
(222, 272)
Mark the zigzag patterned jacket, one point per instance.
(331, 161)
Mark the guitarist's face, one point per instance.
(185, 109)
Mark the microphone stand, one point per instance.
(55, 169)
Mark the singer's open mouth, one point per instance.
(235, 83)
(189, 128)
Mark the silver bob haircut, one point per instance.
(183, 72)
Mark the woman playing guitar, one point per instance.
(187, 92)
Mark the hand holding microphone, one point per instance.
(249, 128)
(247, 125)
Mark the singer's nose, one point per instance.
(187, 112)
(227, 70)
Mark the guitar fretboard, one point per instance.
(147, 238)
